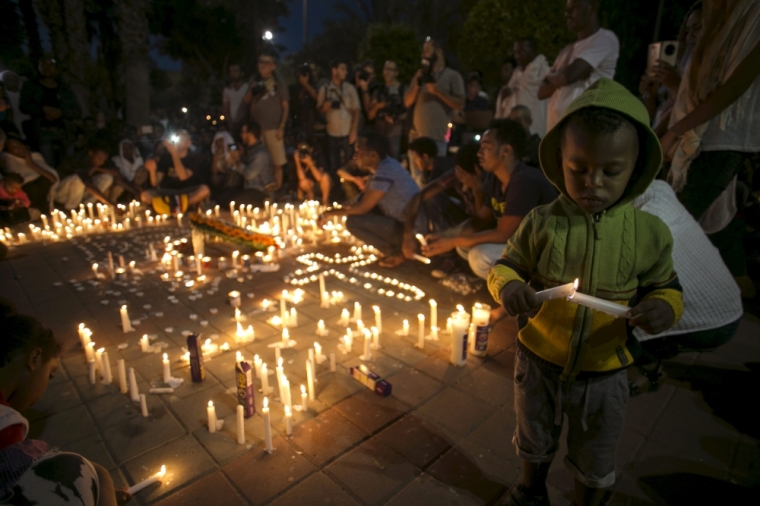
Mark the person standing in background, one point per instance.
(339, 102)
(522, 88)
(234, 104)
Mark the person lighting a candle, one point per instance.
(600, 156)
(29, 360)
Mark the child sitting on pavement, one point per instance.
(30, 471)
(13, 198)
(571, 360)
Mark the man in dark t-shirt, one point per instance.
(174, 178)
(508, 193)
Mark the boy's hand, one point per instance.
(652, 316)
(518, 298)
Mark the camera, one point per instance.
(304, 69)
(427, 72)
(303, 150)
(233, 147)
(258, 88)
(335, 103)
(364, 75)
(666, 51)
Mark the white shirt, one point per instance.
(235, 98)
(339, 120)
(711, 297)
(601, 51)
(19, 166)
(524, 84)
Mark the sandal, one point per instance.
(518, 496)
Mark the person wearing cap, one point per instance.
(571, 360)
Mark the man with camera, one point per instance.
(310, 172)
(582, 63)
(269, 108)
(174, 177)
(386, 107)
(339, 102)
(435, 92)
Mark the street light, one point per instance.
(268, 35)
(184, 110)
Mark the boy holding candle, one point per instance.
(569, 358)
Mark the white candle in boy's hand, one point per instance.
(420, 258)
(211, 413)
(150, 481)
(267, 425)
(240, 425)
(557, 292)
(422, 240)
(604, 306)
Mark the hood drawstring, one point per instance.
(558, 404)
(586, 396)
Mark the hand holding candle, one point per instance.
(150, 481)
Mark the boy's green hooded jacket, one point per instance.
(621, 254)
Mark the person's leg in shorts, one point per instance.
(482, 257)
(276, 148)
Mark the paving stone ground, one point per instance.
(443, 437)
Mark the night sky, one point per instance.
(292, 38)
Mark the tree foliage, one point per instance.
(492, 27)
(337, 41)
(392, 42)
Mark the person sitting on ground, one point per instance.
(377, 217)
(225, 164)
(475, 98)
(39, 178)
(509, 192)
(522, 115)
(13, 199)
(426, 164)
(308, 163)
(174, 178)
(85, 178)
(257, 170)
(466, 162)
(30, 471)
(707, 321)
(571, 360)
(130, 164)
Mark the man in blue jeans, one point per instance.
(339, 102)
(378, 213)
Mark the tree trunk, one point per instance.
(133, 33)
(79, 53)
(32, 32)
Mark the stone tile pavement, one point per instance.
(443, 437)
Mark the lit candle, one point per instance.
(286, 392)
(110, 265)
(344, 318)
(123, 387)
(558, 292)
(234, 297)
(144, 406)
(321, 330)
(107, 376)
(285, 338)
(481, 314)
(232, 207)
(367, 356)
(604, 306)
(240, 424)
(179, 220)
(304, 399)
(216, 211)
(357, 311)
(378, 319)
(121, 262)
(95, 270)
(144, 345)
(433, 319)
(91, 371)
(126, 324)
(134, 394)
(280, 375)
(257, 365)
(405, 328)
(421, 331)
(99, 360)
(293, 318)
(235, 255)
(318, 352)
(150, 481)
(211, 412)
(332, 362)
(267, 425)
(264, 380)
(422, 240)
(310, 378)
(167, 369)
(288, 421)
(459, 329)
(420, 258)
(323, 295)
(375, 338)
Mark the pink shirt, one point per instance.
(19, 195)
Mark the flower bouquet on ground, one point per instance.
(231, 233)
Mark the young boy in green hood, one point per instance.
(571, 360)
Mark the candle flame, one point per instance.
(162, 472)
(210, 404)
(575, 284)
(460, 308)
(266, 399)
(166, 356)
(287, 411)
(256, 358)
(303, 390)
(279, 362)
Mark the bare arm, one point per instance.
(36, 168)
(284, 117)
(578, 70)
(410, 97)
(455, 103)
(369, 200)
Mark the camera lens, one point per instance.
(670, 49)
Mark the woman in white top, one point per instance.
(39, 177)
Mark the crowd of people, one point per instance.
(561, 169)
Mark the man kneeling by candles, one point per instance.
(378, 214)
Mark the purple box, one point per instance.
(371, 380)
(245, 389)
(197, 371)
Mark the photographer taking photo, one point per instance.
(310, 170)
(269, 108)
(339, 102)
(435, 91)
(387, 108)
